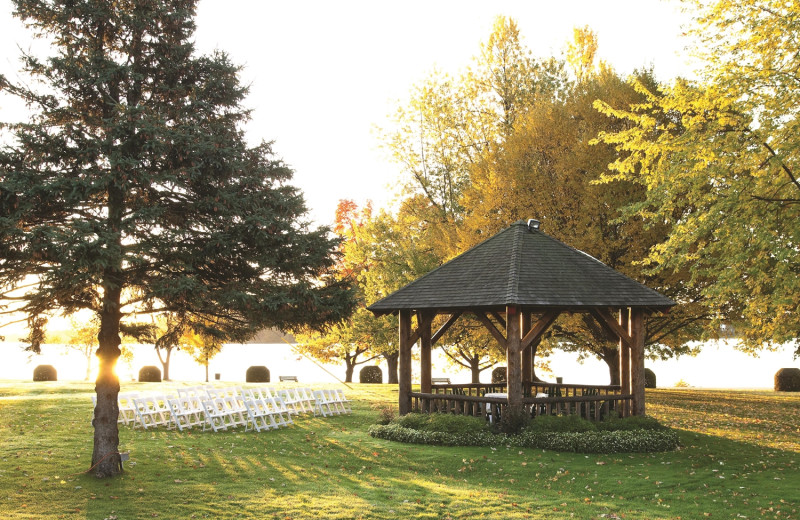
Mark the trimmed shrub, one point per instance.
(649, 378)
(413, 421)
(787, 380)
(386, 413)
(257, 374)
(513, 420)
(560, 424)
(634, 441)
(442, 422)
(499, 375)
(456, 424)
(150, 374)
(45, 373)
(370, 374)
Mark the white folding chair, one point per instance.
(152, 411)
(237, 412)
(287, 397)
(216, 414)
(127, 409)
(186, 412)
(259, 415)
(323, 404)
(306, 396)
(342, 401)
(280, 413)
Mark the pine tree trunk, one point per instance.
(105, 456)
(391, 362)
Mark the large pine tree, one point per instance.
(131, 189)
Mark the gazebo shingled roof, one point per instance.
(525, 267)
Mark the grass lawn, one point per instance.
(740, 459)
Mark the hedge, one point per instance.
(370, 374)
(620, 441)
(787, 380)
(499, 375)
(257, 374)
(149, 374)
(45, 373)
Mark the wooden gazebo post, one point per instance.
(513, 356)
(404, 362)
(527, 352)
(637, 360)
(624, 359)
(424, 320)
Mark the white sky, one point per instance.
(324, 74)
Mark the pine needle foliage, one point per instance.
(131, 189)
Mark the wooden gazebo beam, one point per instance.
(535, 334)
(484, 319)
(608, 322)
(445, 327)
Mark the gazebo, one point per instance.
(516, 284)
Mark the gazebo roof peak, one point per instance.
(521, 266)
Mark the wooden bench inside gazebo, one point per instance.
(516, 284)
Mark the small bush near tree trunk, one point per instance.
(649, 378)
(257, 374)
(370, 374)
(45, 373)
(150, 374)
(787, 380)
(499, 375)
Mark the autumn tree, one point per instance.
(201, 344)
(359, 338)
(439, 137)
(470, 346)
(719, 160)
(391, 251)
(545, 169)
(450, 122)
(81, 338)
(168, 332)
(131, 189)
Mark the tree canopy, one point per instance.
(132, 189)
(719, 160)
(519, 132)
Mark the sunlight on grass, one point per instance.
(331, 468)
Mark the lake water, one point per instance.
(718, 365)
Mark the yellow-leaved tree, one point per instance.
(719, 159)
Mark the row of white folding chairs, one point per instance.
(220, 408)
(331, 402)
(297, 399)
(230, 407)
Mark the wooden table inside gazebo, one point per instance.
(516, 284)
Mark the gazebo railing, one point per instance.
(589, 401)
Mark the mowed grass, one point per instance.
(740, 459)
